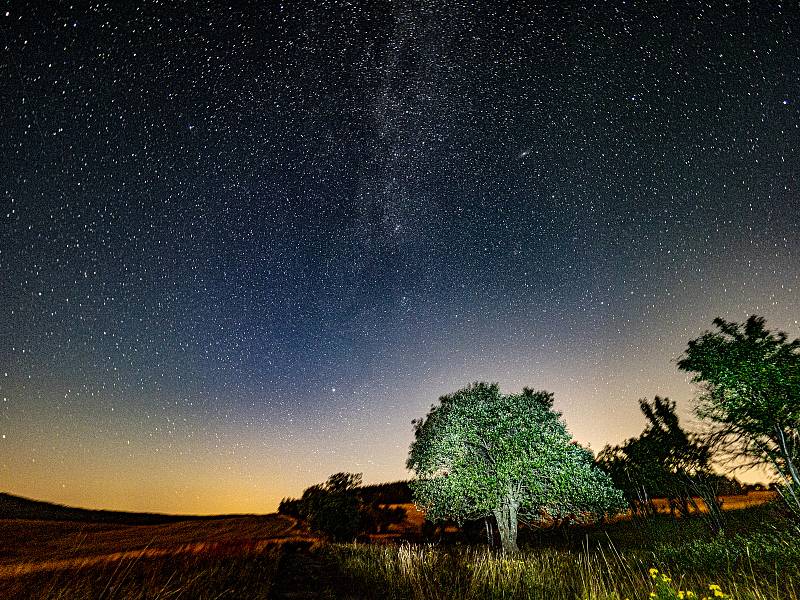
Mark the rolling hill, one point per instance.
(17, 507)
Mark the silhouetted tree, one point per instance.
(377, 518)
(665, 461)
(333, 507)
(290, 507)
(341, 508)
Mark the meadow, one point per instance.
(208, 558)
(660, 557)
(273, 557)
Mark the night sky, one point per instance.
(242, 248)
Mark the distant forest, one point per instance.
(396, 492)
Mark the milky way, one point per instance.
(243, 247)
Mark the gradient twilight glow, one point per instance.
(242, 248)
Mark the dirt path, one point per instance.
(304, 574)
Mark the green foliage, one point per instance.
(428, 573)
(342, 508)
(762, 551)
(752, 394)
(480, 453)
(333, 507)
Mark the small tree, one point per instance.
(481, 453)
(290, 507)
(342, 508)
(752, 395)
(333, 507)
(664, 461)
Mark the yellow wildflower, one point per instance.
(718, 594)
(681, 595)
(653, 572)
(714, 587)
(652, 594)
(665, 579)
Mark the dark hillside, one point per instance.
(17, 507)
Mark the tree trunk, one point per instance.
(792, 474)
(506, 516)
(489, 532)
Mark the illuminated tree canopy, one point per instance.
(480, 453)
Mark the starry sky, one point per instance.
(241, 248)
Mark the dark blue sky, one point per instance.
(243, 247)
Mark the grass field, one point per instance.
(274, 557)
(43, 542)
(192, 576)
(757, 559)
(419, 572)
(188, 559)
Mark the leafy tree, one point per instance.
(751, 378)
(664, 461)
(290, 507)
(341, 508)
(333, 507)
(479, 453)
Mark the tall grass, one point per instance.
(209, 576)
(425, 572)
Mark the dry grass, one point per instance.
(204, 576)
(24, 541)
(749, 500)
(232, 558)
